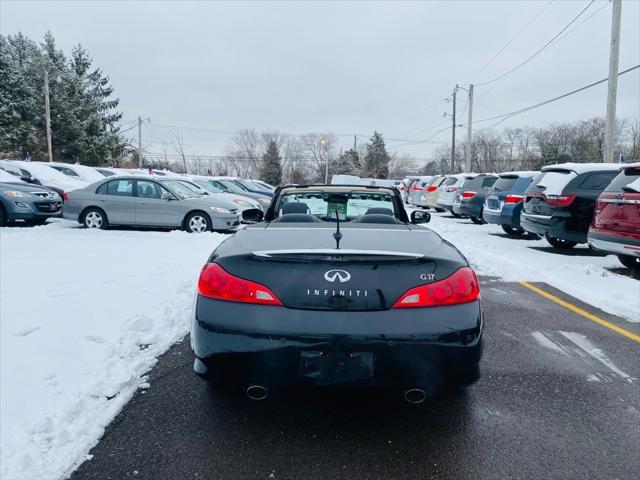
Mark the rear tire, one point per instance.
(559, 243)
(3, 217)
(455, 215)
(630, 262)
(94, 218)
(439, 210)
(477, 220)
(197, 222)
(513, 231)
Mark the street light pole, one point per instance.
(467, 162)
(326, 163)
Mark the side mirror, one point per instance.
(167, 196)
(252, 215)
(420, 216)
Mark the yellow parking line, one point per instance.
(582, 312)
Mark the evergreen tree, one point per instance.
(346, 164)
(376, 161)
(84, 120)
(271, 167)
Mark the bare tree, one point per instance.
(178, 147)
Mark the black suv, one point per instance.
(560, 201)
(469, 200)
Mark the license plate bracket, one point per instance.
(331, 367)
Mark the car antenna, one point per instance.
(337, 235)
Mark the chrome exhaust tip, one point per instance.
(415, 395)
(257, 392)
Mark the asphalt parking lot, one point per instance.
(559, 398)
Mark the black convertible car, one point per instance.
(338, 287)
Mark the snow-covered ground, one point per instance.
(592, 279)
(83, 315)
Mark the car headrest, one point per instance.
(297, 217)
(377, 218)
(295, 207)
(379, 210)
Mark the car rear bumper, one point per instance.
(470, 209)
(277, 346)
(552, 225)
(617, 244)
(499, 218)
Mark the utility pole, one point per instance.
(47, 112)
(139, 142)
(355, 143)
(612, 91)
(326, 164)
(467, 162)
(453, 131)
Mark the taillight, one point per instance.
(468, 194)
(417, 189)
(215, 282)
(452, 189)
(432, 188)
(513, 198)
(65, 196)
(461, 287)
(559, 200)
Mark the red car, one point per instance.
(616, 224)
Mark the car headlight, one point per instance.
(265, 202)
(220, 210)
(244, 203)
(12, 193)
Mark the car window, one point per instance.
(504, 184)
(122, 188)
(25, 172)
(623, 179)
(148, 189)
(597, 181)
(488, 181)
(67, 171)
(449, 181)
(552, 182)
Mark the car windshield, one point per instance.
(358, 203)
(179, 189)
(231, 185)
(194, 188)
(66, 170)
(210, 186)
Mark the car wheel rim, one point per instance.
(93, 220)
(198, 224)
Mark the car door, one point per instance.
(154, 210)
(115, 197)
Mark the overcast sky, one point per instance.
(342, 67)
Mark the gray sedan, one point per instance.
(146, 202)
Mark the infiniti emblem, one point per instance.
(341, 275)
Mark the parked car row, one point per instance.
(100, 197)
(568, 204)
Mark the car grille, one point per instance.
(50, 195)
(48, 207)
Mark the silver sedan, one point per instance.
(147, 202)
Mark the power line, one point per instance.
(567, 33)
(540, 50)
(546, 102)
(512, 39)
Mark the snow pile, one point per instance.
(83, 315)
(589, 278)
